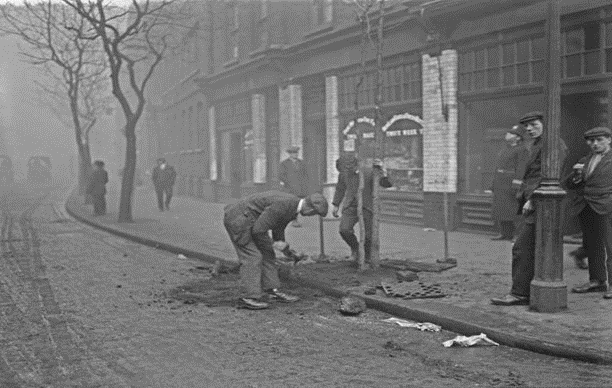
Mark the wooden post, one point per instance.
(548, 291)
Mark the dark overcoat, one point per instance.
(165, 178)
(97, 183)
(295, 177)
(348, 185)
(509, 168)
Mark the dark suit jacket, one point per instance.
(594, 190)
(348, 185)
(163, 178)
(509, 168)
(295, 177)
(252, 217)
(533, 172)
(97, 183)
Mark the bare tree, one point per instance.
(134, 40)
(365, 10)
(73, 70)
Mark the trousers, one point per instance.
(160, 191)
(347, 224)
(595, 234)
(99, 204)
(523, 260)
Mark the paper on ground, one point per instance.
(425, 326)
(469, 341)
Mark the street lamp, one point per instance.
(548, 291)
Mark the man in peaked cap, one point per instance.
(592, 180)
(248, 222)
(507, 179)
(293, 176)
(523, 250)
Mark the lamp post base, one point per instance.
(548, 296)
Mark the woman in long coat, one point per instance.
(508, 172)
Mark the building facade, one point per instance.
(456, 75)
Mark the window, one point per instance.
(323, 12)
(581, 50)
(232, 34)
(399, 84)
(502, 65)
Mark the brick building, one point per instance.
(259, 76)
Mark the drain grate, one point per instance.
(412, 290)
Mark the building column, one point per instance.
(258, 108)
(439, 131)
(332, 125)
(290, 111)
(212, 145)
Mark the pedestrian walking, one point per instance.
(96, 188)
(346, 194)
(163, 177)
(506, 182)
(592, 181)
(293, 176)
(248, 223)
(523, 250)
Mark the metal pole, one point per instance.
(321, 238)
(445, 200)
(548, 291)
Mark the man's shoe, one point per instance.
(296, 224)
(590, 287)
(607, 295)
(510, 300)
(277, 295)
(501, 237)
(253, 304)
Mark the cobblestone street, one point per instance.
(82, 308)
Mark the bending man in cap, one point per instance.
(248, 222)
(592, 180)
(523, 250)
(506, 181)
(346, 193)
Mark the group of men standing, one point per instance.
(591, 181)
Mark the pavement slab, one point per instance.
(194, 228)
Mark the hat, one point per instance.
(517, 130)
(536, 115)
(598, 131)
(318, 202)
(161, 160)
(293, 150)
(99, 163)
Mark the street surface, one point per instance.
(81, 308)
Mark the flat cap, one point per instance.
(536, 115)
(293, 149)
(517, 130)
(598, 131)
(318, 202)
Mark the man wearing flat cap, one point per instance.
(506, 181)
(592, 181)
(523, 250)
(293, 176)
(248, 223)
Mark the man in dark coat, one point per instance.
(293, 176)
(523, 250)
(592, 180)
(346, 193)
(507, 179)
(163, 177)
(96, 188)
(248, 222)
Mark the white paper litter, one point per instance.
(181, 256)
(425, 326)
(464, 341)
(429, 230)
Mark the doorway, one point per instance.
(315, 153)
(235, 163)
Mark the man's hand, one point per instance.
(335, 211)
(282, 183)
(280, 245)
(527, 207)
(378, 164)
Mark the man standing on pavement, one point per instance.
(248, 222)
(163, 177)
(293, 176)
(96, 188)
(592, 180)
(346, 193)
(507, 179)
(523, 250)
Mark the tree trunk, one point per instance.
(127, 182)
(379, 142)
(84, 167)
